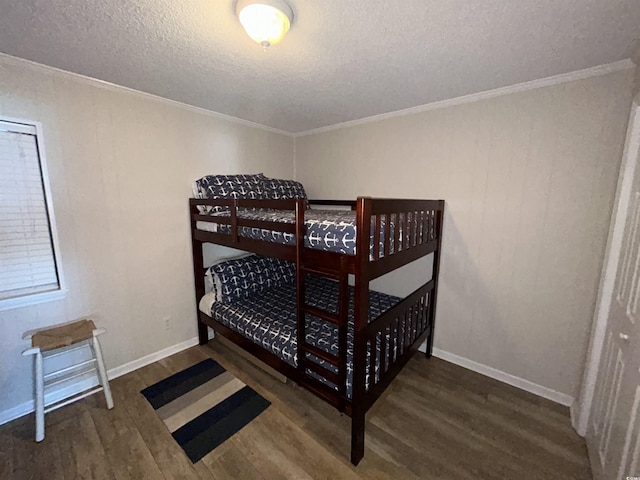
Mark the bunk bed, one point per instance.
(371, 336)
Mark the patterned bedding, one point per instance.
(329, 230)
(255, 186)
(269, 320)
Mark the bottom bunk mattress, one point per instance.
(269, 320)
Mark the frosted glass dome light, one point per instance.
(265, 21)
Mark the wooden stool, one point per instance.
(47, 343)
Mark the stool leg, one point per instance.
(102, 373)
(39, 397)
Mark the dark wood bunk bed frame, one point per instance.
(413, 317)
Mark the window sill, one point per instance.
(36, 298)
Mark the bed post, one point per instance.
(198, 275)
(361, 314)
(301, 319)
(357, 435)
(437, 254)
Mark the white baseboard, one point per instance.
(152, 357)
(574, 412)
(56, 395)
(526, 385)
(28, 407)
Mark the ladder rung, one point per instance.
(323, 314)
(322, 272)
(317, 386)
(74, 398)
(66, 350)
(68, 376)
(76, 366)
(327, 357)
(320, 370)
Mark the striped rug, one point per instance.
(203, 406)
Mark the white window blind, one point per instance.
(27, 254)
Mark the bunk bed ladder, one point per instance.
(305, 364)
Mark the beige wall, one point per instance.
(121, 166)
(529, 180)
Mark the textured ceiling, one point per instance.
(342, 59)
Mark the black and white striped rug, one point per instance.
(203, 406)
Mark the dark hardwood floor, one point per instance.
(436, 421)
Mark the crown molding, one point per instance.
(474, 97)
(6, 59)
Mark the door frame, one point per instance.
(582, 412)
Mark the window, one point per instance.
(29, 268)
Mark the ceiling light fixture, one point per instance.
(266, 21)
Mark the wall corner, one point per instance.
(294, 159)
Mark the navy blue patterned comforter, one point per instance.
(330, 230)
(269, 320)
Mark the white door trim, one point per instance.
(607, 281)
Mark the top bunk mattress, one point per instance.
(329, 230)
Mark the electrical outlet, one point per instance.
(167, 322)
